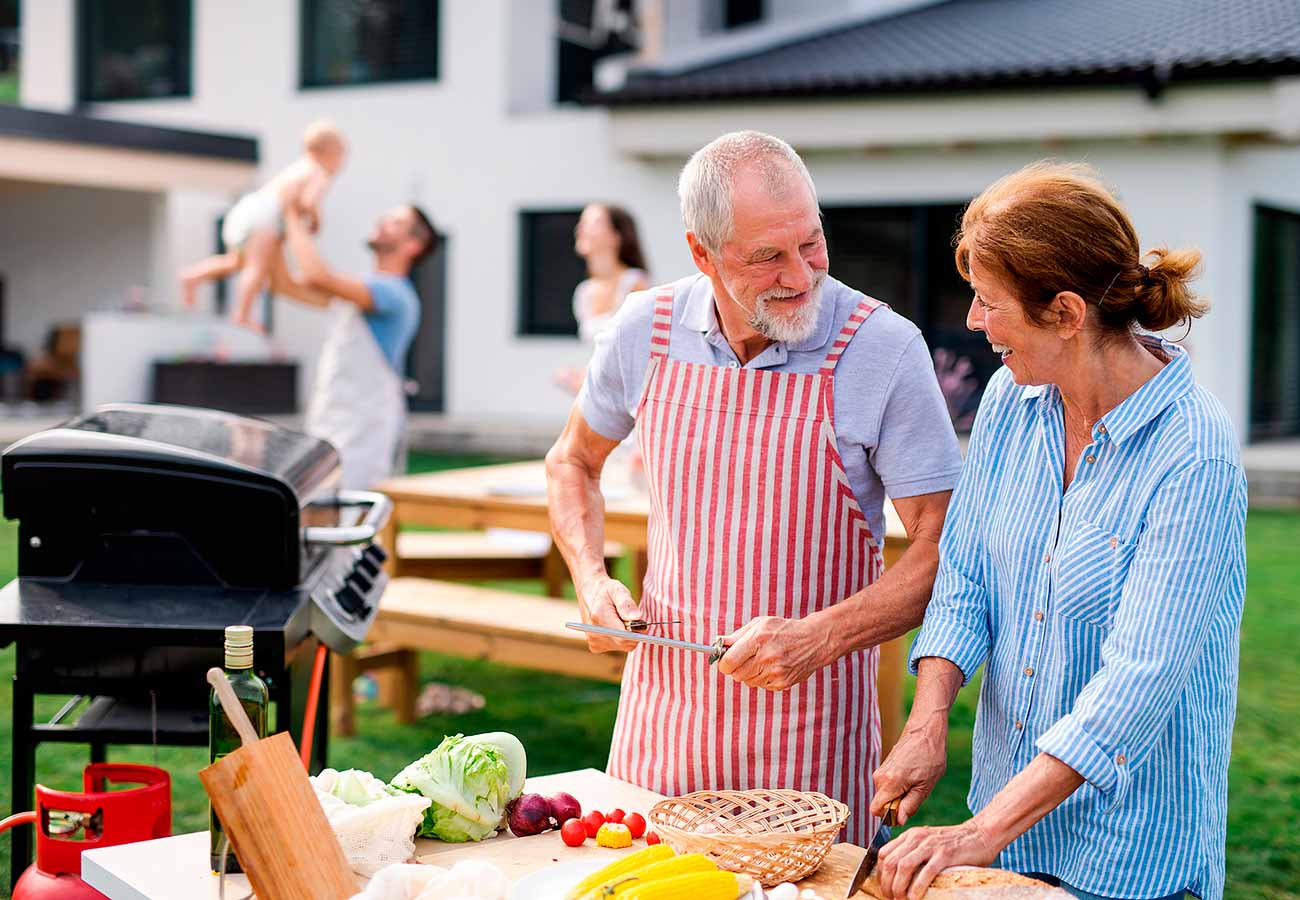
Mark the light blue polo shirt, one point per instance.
(891, 423)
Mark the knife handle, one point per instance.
(719, 650)
(891, 812)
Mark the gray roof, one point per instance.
(18, 121)
(964, 44)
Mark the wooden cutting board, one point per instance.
(841, 864)
(832, 878)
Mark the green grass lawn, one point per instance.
(565, 724)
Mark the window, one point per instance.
(589, 31)
(741, 12)
(135, 49)
(368, 41)
(549, 270)
(902, 255)
(1275, 329)
(9, 51)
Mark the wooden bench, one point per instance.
(463, 620)
(478, 556)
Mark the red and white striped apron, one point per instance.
(751, 515)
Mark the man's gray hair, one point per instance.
(704, 186)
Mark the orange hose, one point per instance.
(313, 697)
(22, 818)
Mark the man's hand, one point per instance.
(908, 865)
(774, 654)
(607, 601)
(912, 769)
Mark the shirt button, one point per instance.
(1114, 542)
(1038, 616)
(1121, 759)
(1019, 725)
(733, 365)
(1101, 428)
(1029, 671)
(1091, 458)
(1047, 557)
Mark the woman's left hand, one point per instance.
(908, 864)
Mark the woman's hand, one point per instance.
(912, 769)
(908, 865)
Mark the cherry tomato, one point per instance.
(651, 837)
(574, 833)
(635, 823)
(593, 820)
(616, 816)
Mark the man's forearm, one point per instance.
(284, 284)
(887, 609)
(304, 249)
(577, 518)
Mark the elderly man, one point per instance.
(357, 401)
(774, 408)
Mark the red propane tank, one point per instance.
(68, 823)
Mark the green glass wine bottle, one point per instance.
(222, 737)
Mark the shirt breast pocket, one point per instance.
(1090, 568)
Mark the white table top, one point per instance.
(177, 868)
(173, 868)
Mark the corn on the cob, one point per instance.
(697, 886)
(614, 835)
(622, 866)
(674, 865)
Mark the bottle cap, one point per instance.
(239, 647)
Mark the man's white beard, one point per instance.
(787, 327)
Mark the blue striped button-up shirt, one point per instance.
(1108, 616)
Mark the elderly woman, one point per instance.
(1093, 557)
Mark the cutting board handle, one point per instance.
(230, 703)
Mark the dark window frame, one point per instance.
(575, 62)
(1275, 426)
(305, 47)
(924, 292)
(728, 12)
(183, 69)
(525, 325)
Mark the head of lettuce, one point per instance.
(470, 780)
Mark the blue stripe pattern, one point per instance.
(1108, 618)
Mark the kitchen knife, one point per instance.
(872, 855)
(714, 650)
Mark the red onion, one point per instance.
(564, 807)
(529, 814)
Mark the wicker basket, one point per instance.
(772, 836)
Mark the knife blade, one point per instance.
(869, 859)
(714, 650)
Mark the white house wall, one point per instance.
(450, 145)
(67, 250)
(482, 143)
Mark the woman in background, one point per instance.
(606, 239)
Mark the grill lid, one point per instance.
(139, 493)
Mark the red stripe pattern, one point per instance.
(751, 515)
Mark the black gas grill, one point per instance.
(143, 532)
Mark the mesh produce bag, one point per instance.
(467, 880)
(375, 830)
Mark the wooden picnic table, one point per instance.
(513, 495)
